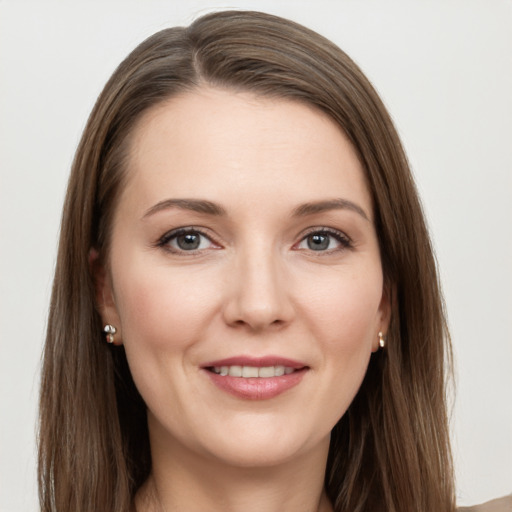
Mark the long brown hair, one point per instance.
(390, 451)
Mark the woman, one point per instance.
(245, 310)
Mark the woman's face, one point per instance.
(244, 244)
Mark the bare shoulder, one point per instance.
(499, 505)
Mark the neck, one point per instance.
(187, 482)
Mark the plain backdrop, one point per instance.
(443, 68)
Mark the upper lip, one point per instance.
(263, 361)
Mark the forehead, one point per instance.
(221, 143)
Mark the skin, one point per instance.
(253, 287)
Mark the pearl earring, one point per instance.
(109, 331)
(382, 341)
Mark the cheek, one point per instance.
(349, 318)
(163, 313)
(160, 307)
(346, 318)
(346, 310)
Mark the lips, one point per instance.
(255, 378)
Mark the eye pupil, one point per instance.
(318, 242)
(189, 241)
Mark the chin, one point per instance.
(258, 455)
(263, 445)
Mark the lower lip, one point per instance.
(256, 388)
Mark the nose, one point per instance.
(259, 295)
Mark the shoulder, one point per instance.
(499, 505)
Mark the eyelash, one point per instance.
(340, 237)
(344, 241)
(164, 241)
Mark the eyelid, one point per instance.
(163, 241)
(344, 240)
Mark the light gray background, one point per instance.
(444, 69)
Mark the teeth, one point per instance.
(249, 371)
(253, 371)
(279, 370)
(267, 371)
(235, 371)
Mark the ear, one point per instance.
(384, 314)
(104, 294)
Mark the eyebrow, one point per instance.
(195, 205)
(332, 204)
(210, 208)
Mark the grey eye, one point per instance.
(324, 241)
(188, 241)
(318, 242)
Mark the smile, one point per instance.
(260, 378)
(262, 372)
